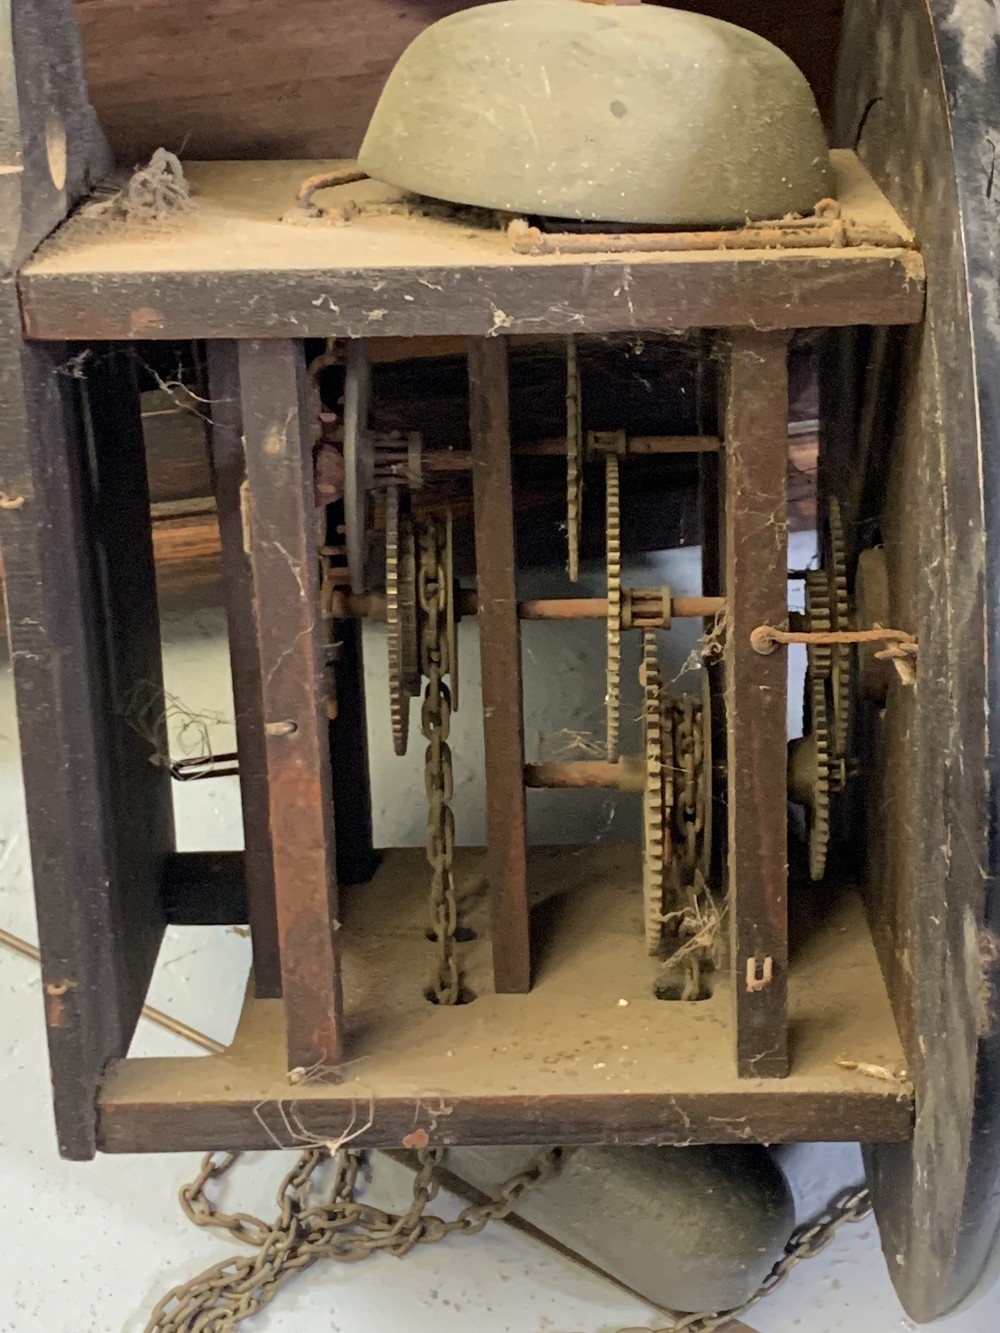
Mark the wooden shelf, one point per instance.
(229, 267)
(568, 1062)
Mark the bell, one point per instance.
(622, 113)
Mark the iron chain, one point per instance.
(347, 1231)
(306, 1229)
(851, 1205)
(435, 723)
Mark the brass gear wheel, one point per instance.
(614, 565)
(835, 570)
(810, 769)
(657, 800)
(358, 462)
(819, 619)
(574, 460)
(400, 618)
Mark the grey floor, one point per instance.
(90, 1248)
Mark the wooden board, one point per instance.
(230, 267)
(229, 476)
(87, 676)
(926, 75)
(283, 591)
(246, 78)
(500, 654)
(756, 587)
(568, 1062)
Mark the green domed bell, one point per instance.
(621, 114)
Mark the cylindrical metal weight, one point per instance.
(693, 1228)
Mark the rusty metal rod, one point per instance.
(371, 606)
(624, 774)
(596, 608)
(460, 460)
(16, 945)
(573, 773)
(811, 233)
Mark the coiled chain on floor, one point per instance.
(339, 1227)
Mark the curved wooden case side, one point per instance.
(914, 90)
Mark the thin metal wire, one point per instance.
(17, 945)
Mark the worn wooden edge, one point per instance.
(762, 289)
(764, 1112)
(178, 280)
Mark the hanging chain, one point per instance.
(687, 753)
(696, 919)
(435, 723)
(308, 1228)
(850, 1205)
(341, 1228)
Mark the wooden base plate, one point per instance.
(590, 1055)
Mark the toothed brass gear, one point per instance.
(401, 618)
(658, 790)
(819, 656)
(358, 464)
(614, 564)
(835, 569)
(817, 741)
(574, 460)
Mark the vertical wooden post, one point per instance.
(280, 518)
(229, 475)
(756, 581)
(500, 649)
(85, 649)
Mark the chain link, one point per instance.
(306, 1229)
(808, 1240)
(692, 797)
(342, 1229)
(688, 758)
(433, 592)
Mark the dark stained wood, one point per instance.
(711, 502)
(98, 811)
(147, 1116)
(500, 651)
(756, 586)
(135, 702)
(229, 478)
(244, 78)
(51, 148)
(348, 733)
(176, 446)
(281, 529)
(232, 268)
(776, 290)
(206, 889)
(67, 513)
(551, 1062)
(929, 802)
